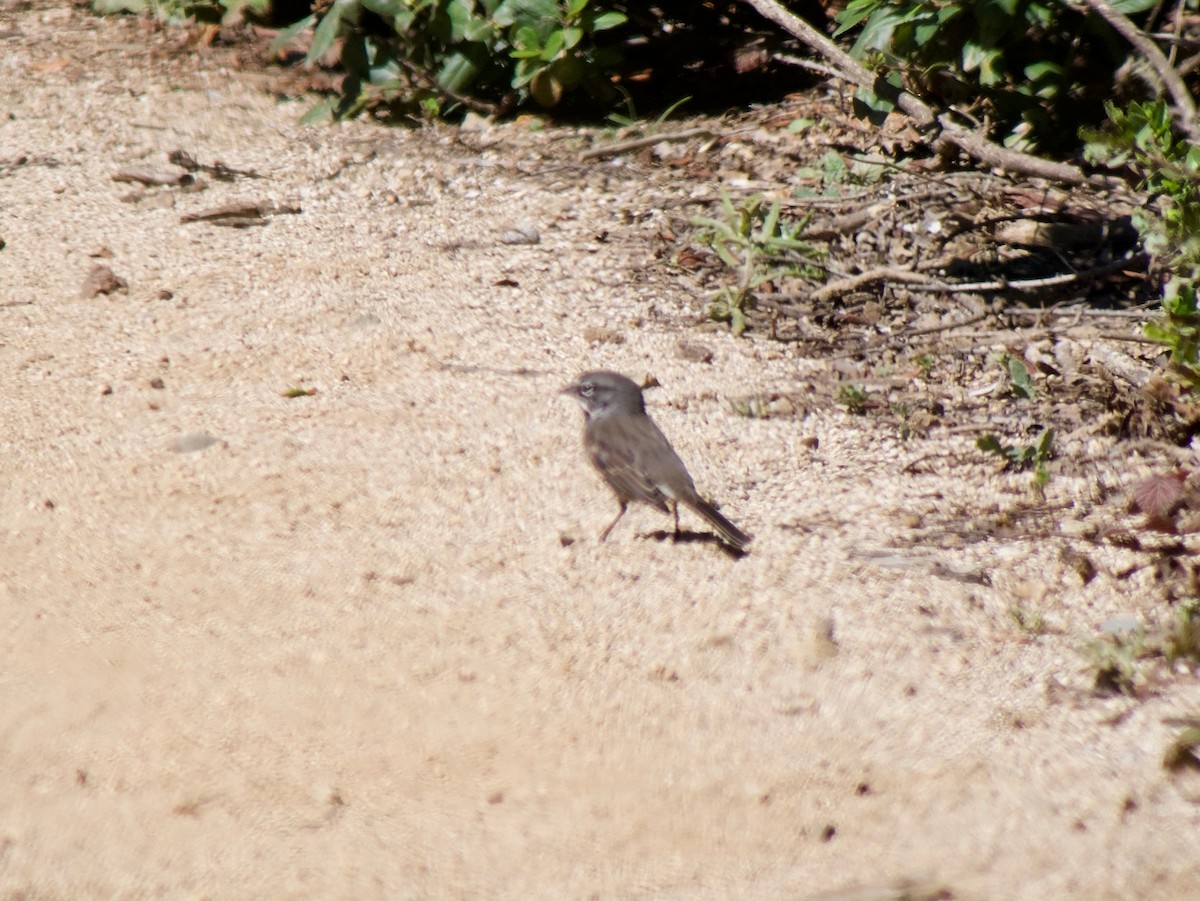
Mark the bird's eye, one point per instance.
(586, 390)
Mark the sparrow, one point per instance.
(634, 457)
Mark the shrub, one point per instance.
(447, 53)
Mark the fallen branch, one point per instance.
(880, 274)
(922, 282)
(645, 141)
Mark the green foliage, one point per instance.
(1019, 382)
(1019, 64)
(756, 242)
(854, 398)
(1182, 640)
(1117, 656)
(428, 52)
(751, 408)
(630, 118)
(1184, 751)
(1143, 138)
(1116, 661)
(210, 11)
(1018, 457)
(1179, 330)
(833, 175)
(1028, 621)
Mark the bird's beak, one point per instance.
(572, 388)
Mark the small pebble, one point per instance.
(194, 441)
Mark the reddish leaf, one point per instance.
(1157, 495)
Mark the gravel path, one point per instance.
(365, 642)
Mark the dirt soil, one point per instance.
(364, 643)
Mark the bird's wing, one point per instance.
(617, 454)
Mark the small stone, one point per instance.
(1121, 625)
(597, 334)
(156, 201)
(157, 384)
(693, 351)
(475, 122)
(192, 442)
(521, 233)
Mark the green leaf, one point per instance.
(525, 70)
(385, 9)
(459, 70)
(1018, 375)
(533, 13)
(856, 11)
(572, 35)
(575, 7)
(1045, 444)
(478, 30)
(608, 20)
(553, 44)
(568, 71)
(545, 89)
(1046, 69)
(989, 444)
(527, 38)
(321, 112)
(878, 33)
(330, 27)
(460, 18)
(1157, 332)
(988, 60)
(867, 106)
(1040, 16)
(287, 35)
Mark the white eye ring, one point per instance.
(586, 390)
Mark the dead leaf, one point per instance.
(1158, 495)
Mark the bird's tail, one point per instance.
(731, 533)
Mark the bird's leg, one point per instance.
(620, 513)
(675, 510)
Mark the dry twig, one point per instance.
(644, 141)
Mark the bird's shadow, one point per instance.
(685, 537)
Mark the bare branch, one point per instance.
(979, 146)
(620, 147)
(922, 282)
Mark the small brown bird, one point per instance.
(634, 457)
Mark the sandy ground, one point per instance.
(366, 644)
